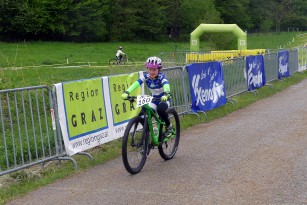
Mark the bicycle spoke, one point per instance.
(134, 146)
(169, 145)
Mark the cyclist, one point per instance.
(159, 87)
(119, 54)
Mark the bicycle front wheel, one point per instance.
(168, 146)
(135, 145)
(129, 62)
(113, 61)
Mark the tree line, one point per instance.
(136, 20)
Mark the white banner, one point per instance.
(92, 112)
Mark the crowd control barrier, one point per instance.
(180, 89)
(28, 135)
(234, 76)
(293, 61)
(302, 58)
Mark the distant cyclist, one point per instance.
(159, 88)
(119, 54)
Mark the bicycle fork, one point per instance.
(146, 135)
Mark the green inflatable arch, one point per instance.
(218, 28)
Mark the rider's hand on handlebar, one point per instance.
(125, 95)
(165, 97)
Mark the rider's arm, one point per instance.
(166, 88)
(166, 95)
(132, 87)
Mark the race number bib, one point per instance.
(143, 99)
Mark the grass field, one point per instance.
(24, 54)
(276, 40)
(45, 63)
(37, 63)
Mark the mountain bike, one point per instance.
(124, 61)
(147, 131)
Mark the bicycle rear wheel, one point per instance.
(135, 145)
(169, 146)
(113, 61)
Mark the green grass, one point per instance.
(276, 40)
(94, 57)
(299, 40)
(43, 63)
(24, 54)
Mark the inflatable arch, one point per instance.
(218, 28)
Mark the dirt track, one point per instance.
(257, 155)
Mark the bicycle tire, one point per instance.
(135, 145)
(113, 61)
(168, 149)
(128, 62)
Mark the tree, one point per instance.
(298, 16)
(120, 20)
(261, 15)
(152, 19)
(123, 20)
(53, 19)
(174, 17)
(20, 19)
(235, 12)
(281, 10)
(196, 12)
(85, 21)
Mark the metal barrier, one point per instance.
(234, 76)
(176, 79)
(302, 58)
(173, 59)
(271, 67)
(179, 88)
(27, 131)
(293, 61)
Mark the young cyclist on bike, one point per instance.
(158, 86)
(119, 54)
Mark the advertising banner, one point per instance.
(283, 64)
(91, 112)
(122, 110)
(255, 72)
(206, 85)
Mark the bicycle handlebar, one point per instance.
(131, 98)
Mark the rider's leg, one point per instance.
(161, 110)
(118, 59)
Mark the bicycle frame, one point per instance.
(149, 114)
(123, 59)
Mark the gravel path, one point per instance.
(256, 155)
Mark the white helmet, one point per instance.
(154, 62)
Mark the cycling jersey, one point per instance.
(119, 53)
(154, 85)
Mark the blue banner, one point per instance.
(206, 85)
(283, 64)
(255, 72)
